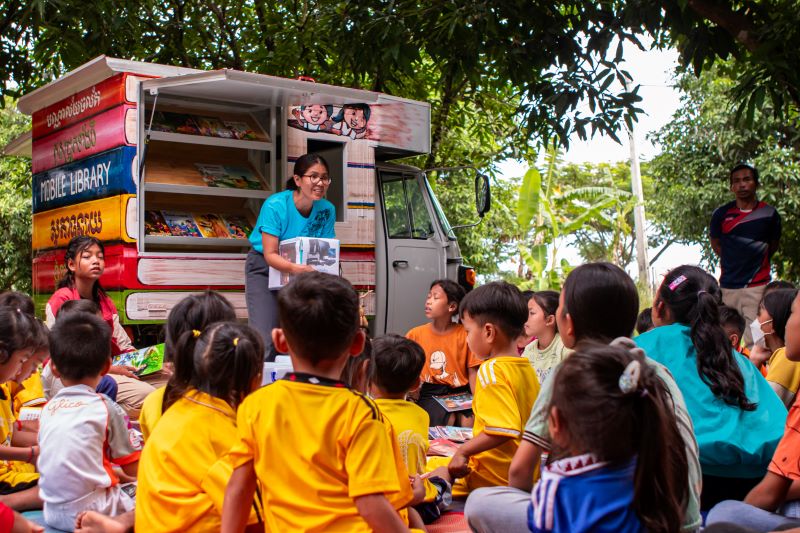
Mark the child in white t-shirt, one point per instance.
(83, 433)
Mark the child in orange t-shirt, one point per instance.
(450, 367)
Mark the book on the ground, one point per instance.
(454, 433)
(154, 223)
(455, 402)
(145, 360)
(442, 447)
(231, 177)
(181, 224)
(322, 254)
(238, 226)
(212, 226)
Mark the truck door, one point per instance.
(410, 249)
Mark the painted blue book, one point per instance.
(106, 174)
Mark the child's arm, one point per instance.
(238, 495)
(472, 374)
(769, 493)
(24, 438)
(459, 464)
(375, 509)
(794, 491)
(132, 469)
(523, 466)
(25, 454)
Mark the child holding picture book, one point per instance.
(450, 366)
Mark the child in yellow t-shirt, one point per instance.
(325, 456)
(494, 316)
(26, 388)
(184, 468)
(450, 367)
(393, 373)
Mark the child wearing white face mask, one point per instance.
(768, 331)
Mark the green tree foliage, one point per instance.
(15, 207)
(700, 146)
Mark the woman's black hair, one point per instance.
(186, 321)
(617, 423)
(228, 358)
(547, 300)
(301, 166)
(693, 298)
(602, 301)
(18, 330)
(75, 248)
(778, 304)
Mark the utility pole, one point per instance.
(638, 211)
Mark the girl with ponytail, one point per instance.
(183, 470)
(185, 323)
(617, 461)
(738, 419)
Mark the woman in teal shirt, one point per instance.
(738, 419)
(299, 211)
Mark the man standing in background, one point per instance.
(744, 234)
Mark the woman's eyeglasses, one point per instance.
(316, 178)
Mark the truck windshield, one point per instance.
(448, 230)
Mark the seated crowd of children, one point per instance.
(576, 427)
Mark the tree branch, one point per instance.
(736, 24)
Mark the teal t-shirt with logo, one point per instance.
(280, 217)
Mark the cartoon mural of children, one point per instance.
(313, 117)
(352, 121)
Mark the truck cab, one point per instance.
(168, 167)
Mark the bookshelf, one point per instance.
(203, 159)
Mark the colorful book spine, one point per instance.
(108, 219)
(109, 129)
(106, 174)
(104, 95)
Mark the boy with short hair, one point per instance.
(494, 315)
(82, 433)
(734, 325)
(394, 372)
(326, 458)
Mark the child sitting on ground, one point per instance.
(547, 349)
(394, 372)
(617, 463)
(493, 316)
(781, 483)
(326, 458)
(782, 374)
(449, 365)
(18, 477)
(82, 433)
(184, 467)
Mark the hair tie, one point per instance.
(675, 283)
(701, 292)
(196, 333)
(235, 342)
(629, 380)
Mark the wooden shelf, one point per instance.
(226, 192)
(209, 141)
(172, 240)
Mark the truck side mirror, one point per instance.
(483, 194)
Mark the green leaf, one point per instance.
(529, 194)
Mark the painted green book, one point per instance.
(145, 360)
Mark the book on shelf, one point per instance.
(206, 126)
(212, 226)
(181, 224)
(238, 226)
(232, 177)
(145, 360)
(154, 223)
(455, 402)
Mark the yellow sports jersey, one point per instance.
(315, 446)
(184, 467)
(505, 391)
(410, 423)
(11, 472)
(29, 393)
(786, 373)
(151, 411)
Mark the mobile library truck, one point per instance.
(169, 167)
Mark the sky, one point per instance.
(654, 71)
